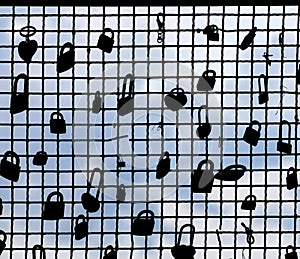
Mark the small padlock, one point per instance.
(176, 99)
(249, 203)
(42, 252)
(28, 47)
(231, 173)
(212, 32)
(251, 135)
(121, 193)
(248, 40)
(291, 179)
(163, 166)
(58, 125)
(40, 158)
(291, 255)
(106, 43)
(66, 60)
(110, 253)
(126, 103)
(121, 164)
(143, 226)
(298, 76)
(3, 241)
(207, 81)
(204, 128)
(82, 228)
(54, 210)
(202, 180)
(184, 251)
(96, 103)
(10, 170)
(1, 206)
(283, 146)
(19, 101)
(263, 97)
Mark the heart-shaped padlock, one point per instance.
(27, 48)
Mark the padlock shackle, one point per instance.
(289, 130)
(207, 72)
(262, 76)
(4, 235)
(206, 114)
(291, 169)
(97, 94)
(81, 216)
(250, 196)
(28, 34)
(109, 30)
(165, 154)
(177, 89)
(205, 161)
(59, 115)
(101, 181)
(38, 247)
(131, 85)
(160, 21)
(122, 186)
(15, 84)
(66, 45)
(255, 122)
(109, 248)
(192, 233)
(58, 194)
(291, 247)
(13, 155)
(145, 212)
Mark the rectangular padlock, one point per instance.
(263, 98)
(58, 125)
(284, 147)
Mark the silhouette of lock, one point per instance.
(291, 255)
(163, 166)
(126, 103)
(251, 135)
(1, 207)
(176, 99)
(209, 77)
(121, 193)
(96, 103)
(143, 225)
(249, 203)
(204, 128)
(291, 178)
(82, 228)
(2, 241)
(202, 180)
(28, 47)
(285, 147)
(110, 253)
(42, 252)
(263, 97)
(184, 251)
(10, 170)
(106, 43)
(298, 75)
(58, 125)
(212, 32)
(19, 101)
(40, 158)
(54, 210)
(66, 60)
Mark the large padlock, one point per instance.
(251, 135)
(40, 158)
(19, 101)
(126, 103)
(176, 99)
(204, 128)
(89, 202)
(82, 228)
(202, 180)
(97, 103)
(163, 166)
(110, 253)
(291, 179)
(249, 203)
(209, 81)
(1, 206)
(285, 147)
(66, 60)
(184, 251)
(231, 173)
(58, 124)
(2, 241)
(9, 169)
(105, 42)
(143, 225)
(263, 96)
(212, 32)
(54, 210)
(291, 255)
(28, 47)
(37, 248)
(298, 76)
(121, 193)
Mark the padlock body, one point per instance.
(175, 101)
(202, 176)
(213, 36)
(248, 205)
(111, 255)
(121, 164)
(89, 202)
(211, 80)
(163, 168)
(263, 98)
(81, 230)
(203, 130)
(2, 246)
(57, 126)
(40, 159)
(251, 136)
(125, 105)
(53, 210)
(96, 105)
(27, 49)
(9, 170)
(292, 181)
(18, 102)
(105, 43)
(292, 255)
(183, 252)
(65, 61)
(284, 147)
(121, 194)
(142, 226)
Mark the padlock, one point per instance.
(291, 255)
(263, 97)
(249, 203)
(28, 47)
(283, 146)
(209, 81)
(298, 76)
(40, 158)
(54, 210)
(10, 170)
(204, 128)
(291, 179)
(176, 99)
(106, 43)
(121, 164)
(110, 253)
(42, 252)
(248, 40)
(82, 228)
(231, 173)
(19, 101)
(121, 193)
(184, 251)
(2, 241)
(163, 166)
(1, 206)
(212, 32)
(126, 103)
(143, 226)
(66, 60)
(96, 103)
(251, 135)
(202, 180)
(89, 202)
(58, 125)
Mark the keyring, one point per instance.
(30, 31)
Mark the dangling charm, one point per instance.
(27, 48)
